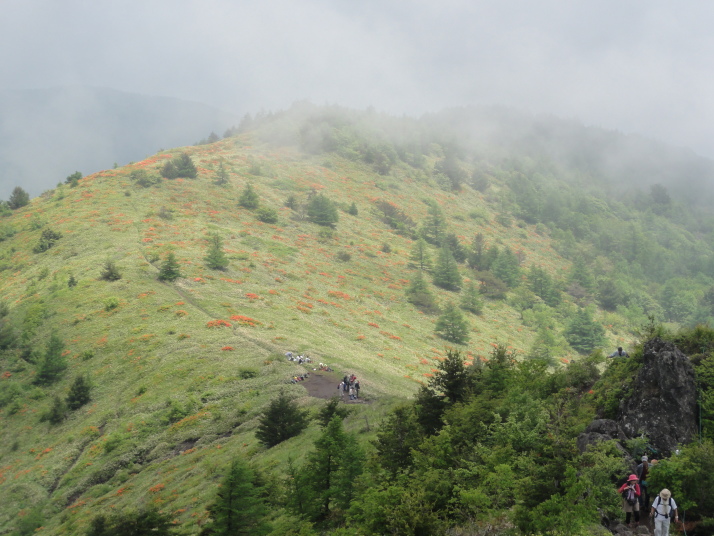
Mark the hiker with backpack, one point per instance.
(664, 509)
(642, 471)
(630, 492)
(619, 353)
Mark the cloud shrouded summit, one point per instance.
(638, 67)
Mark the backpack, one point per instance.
(630, 497)
(671, 510)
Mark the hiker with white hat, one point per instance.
(663, 510)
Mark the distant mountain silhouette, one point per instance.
(47, 134)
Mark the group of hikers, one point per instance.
(635, 492)
(349, 386)
(635, 497)
(300, 359)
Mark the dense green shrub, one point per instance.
(47, 240)
(179, 166)
(267, 215)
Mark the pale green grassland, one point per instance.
(171, 403)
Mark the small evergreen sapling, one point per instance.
(79, 393)
(249, 198)
(169, 270)
(110, 272)
(216, 258)
(471, 299)
(452, 326)
(322, 211)
(53, 363)
(419, 294)
(446, 272)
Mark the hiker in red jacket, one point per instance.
(630, 491)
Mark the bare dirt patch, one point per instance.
(324, 385)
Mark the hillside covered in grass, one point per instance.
(306, 231)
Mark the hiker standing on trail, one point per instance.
(340, 389)
(663, 510)
(356, 388)
(619, 353)
(630, 491)
(642, 471)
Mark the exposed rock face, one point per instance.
(600, 430)
(663, 405)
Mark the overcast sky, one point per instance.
(634, 66)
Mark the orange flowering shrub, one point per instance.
(218, 323)
(245, 320)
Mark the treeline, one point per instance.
(613, 202)
(489, 447)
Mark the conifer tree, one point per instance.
(476, 253)
(489, 257)
(73, 179)
(452, 326)
(79, 393)
(434, 226)
(583, 333)
(169, 270)
(580, 274)
(57, 412)
(18, 198)
(322, 211)
(396, 437)
(446, 271)
(281, 420)
(53, 362)
(110, 272)
(179, 166)
(249, 198)
(185, 167)
(238, 508)
(216, 258)
(327, 479)
(542, 285)
(331, 409)
(506, 267)
(419, 257)
(451, 241)
(471, 299)
(453, 380)
(352, 210)
(419, 294)
(71, 281)
(221, 176)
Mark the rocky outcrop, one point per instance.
(600, 430)
(662, 404)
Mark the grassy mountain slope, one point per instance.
(176, 394)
